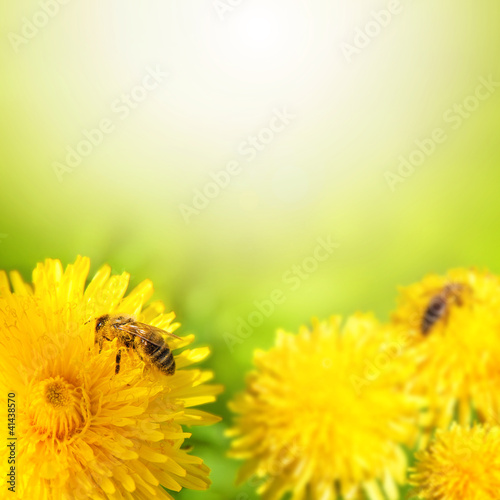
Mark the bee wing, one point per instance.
(156, 329)
(142, 330)
(135, 329)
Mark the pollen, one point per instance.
(81, 431)
(58, 393)
(57, 410)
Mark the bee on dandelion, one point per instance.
(306, 425)
(84, 428)
(455, 324)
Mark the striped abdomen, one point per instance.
(434, 312)
(163, 359)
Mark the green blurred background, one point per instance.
(323, 176)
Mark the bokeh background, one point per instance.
(230, 66)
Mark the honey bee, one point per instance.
(146, 340)
(438, 306)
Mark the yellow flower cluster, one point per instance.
(81, 431)
(456, 361)
(461, 464)
(306, 426)
(326, 411)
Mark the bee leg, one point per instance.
(118, 359)
(446, 316)
(146, 371)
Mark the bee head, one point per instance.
(101, 321)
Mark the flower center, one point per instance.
(58, 410)
(58, 394)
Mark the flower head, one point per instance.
(455, 323)
(322, 415)
(460, 464)
(82, 431)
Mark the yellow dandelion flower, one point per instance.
(81, 431)
(322, 416)
(460, 464)
(455, 323)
